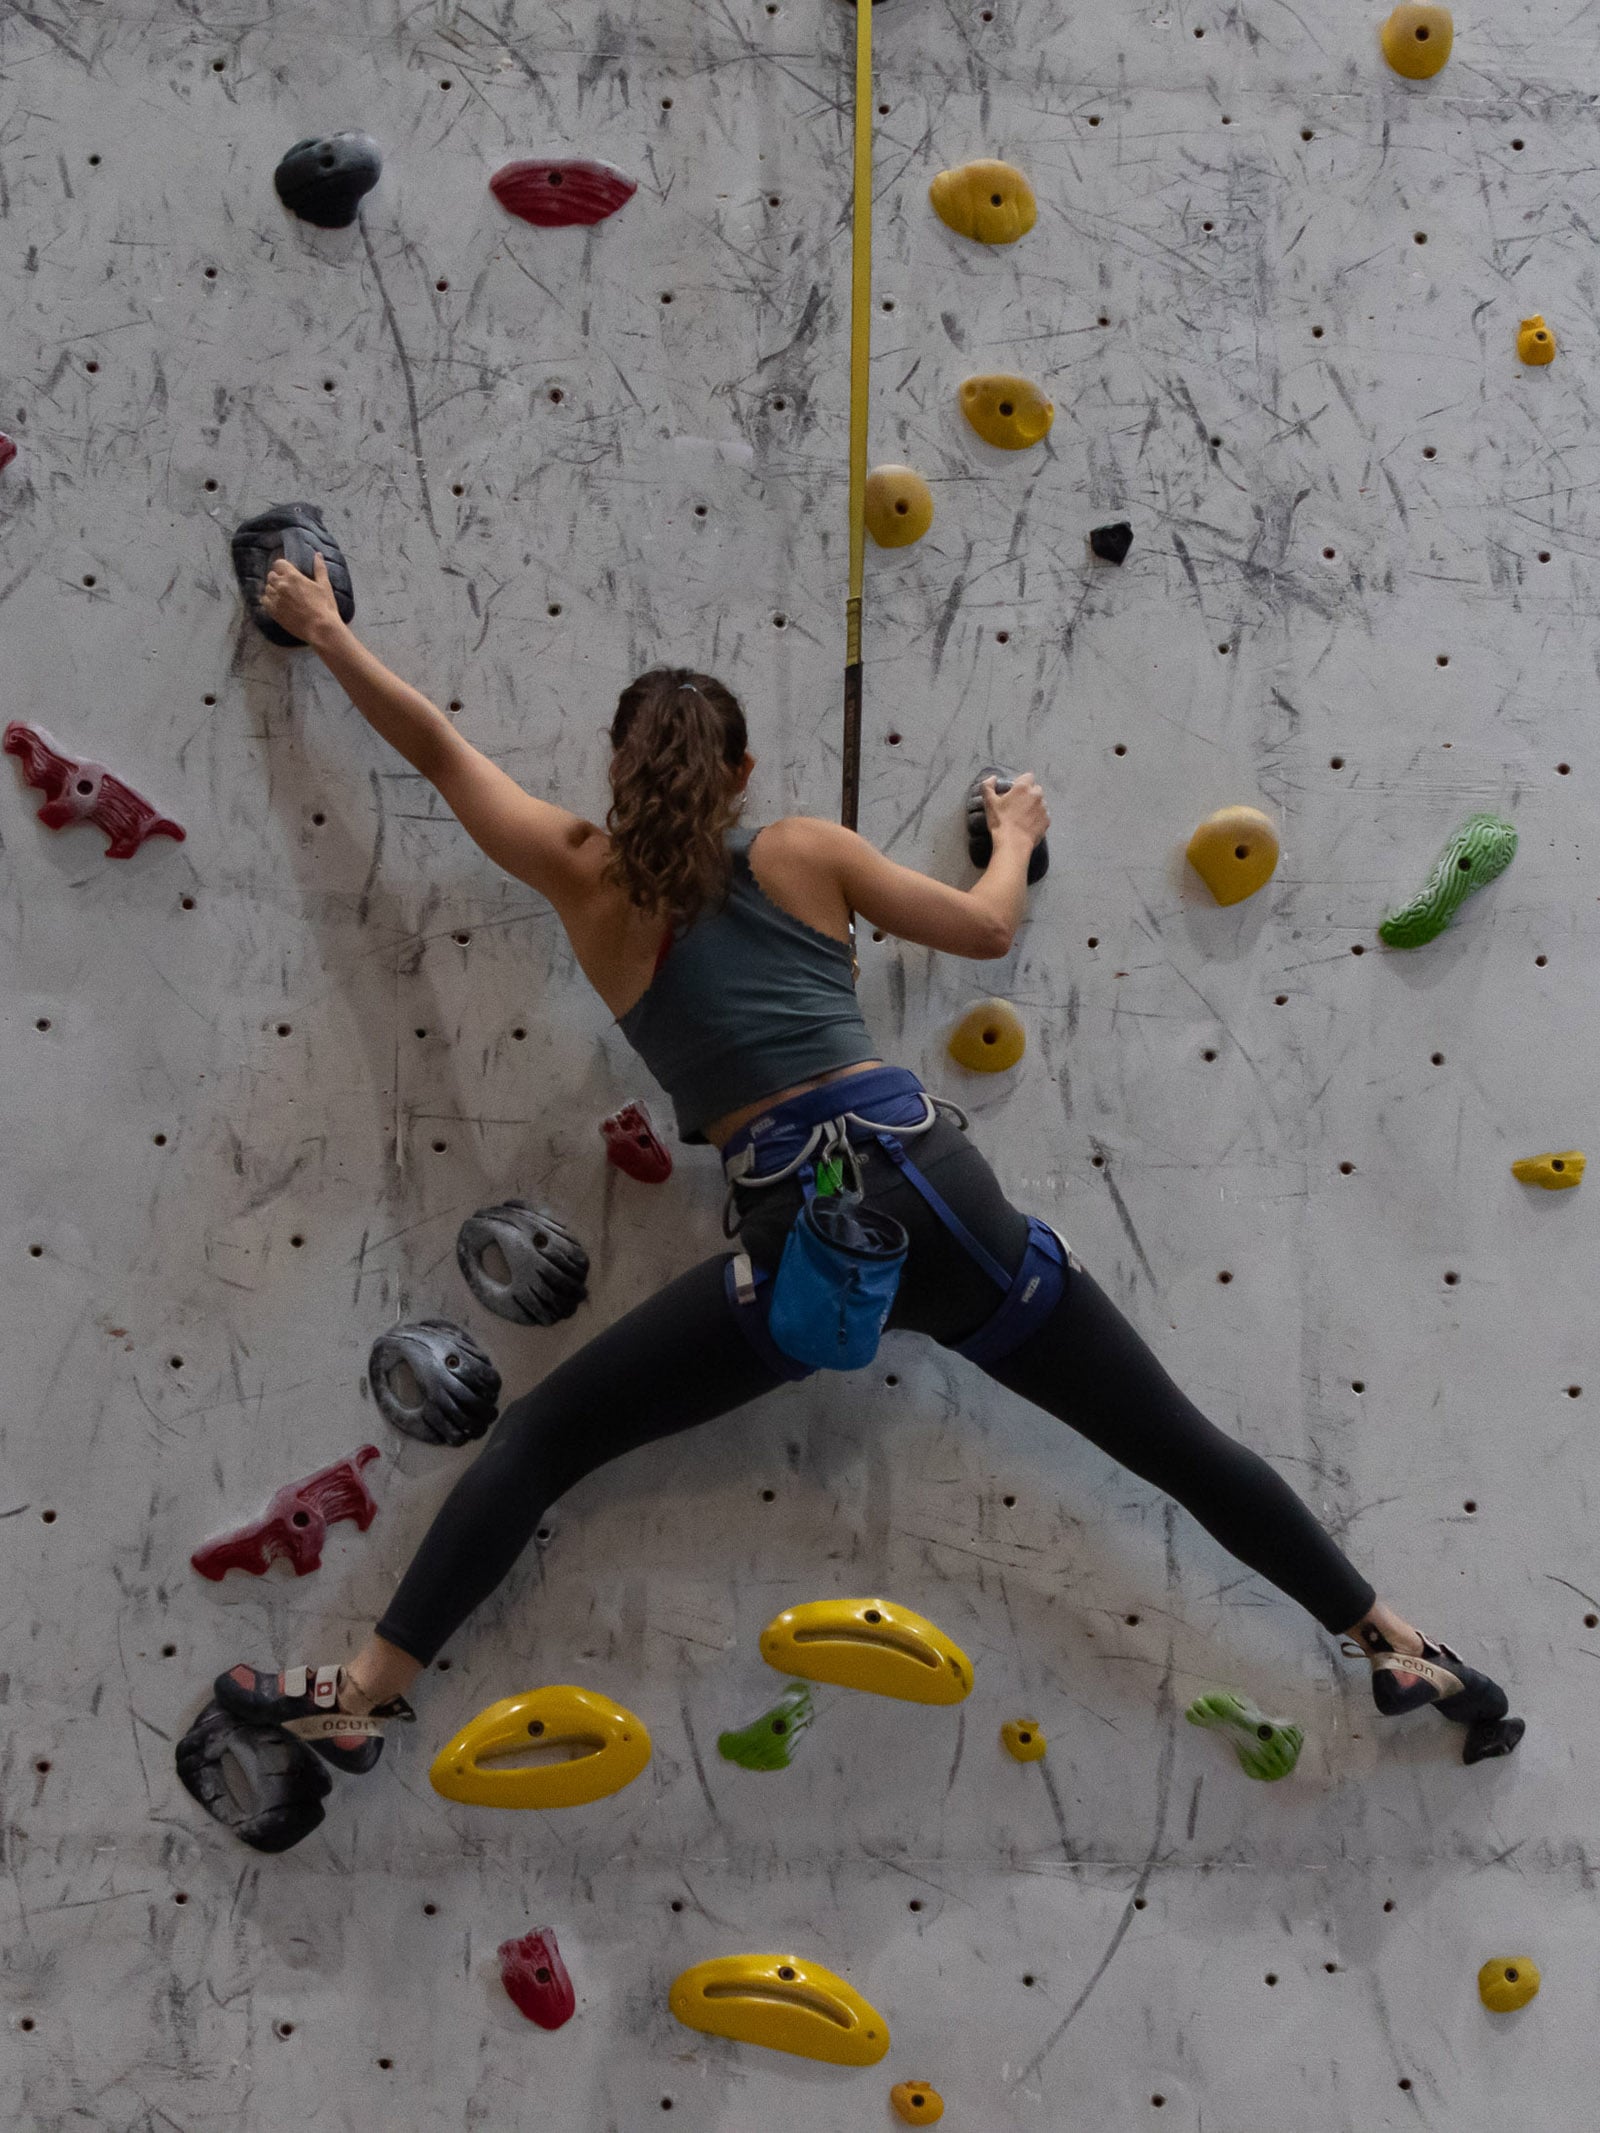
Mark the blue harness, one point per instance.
(796, 1131)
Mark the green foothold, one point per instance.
(1483, 847)
(766, 1744)
(1267, 1748)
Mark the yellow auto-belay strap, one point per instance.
(860, 360)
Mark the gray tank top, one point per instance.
(746, 1001)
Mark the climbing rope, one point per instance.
(860, 354)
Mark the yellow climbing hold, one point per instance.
(1535, 342)
(606, 1748)
(899, 506)
(1509, 1982)
(1417, 40)
(783, 2003)
(871, 1645)
(1007, 411)
(1556, 1173)
(992, 202)
(917, 2103)
(1022, 1738)
(989, 1039)
(1234, 852)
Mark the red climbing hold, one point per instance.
(8, 451)
(533, 1973)
(554, 194)
(634, 1145)
(295, 1524)
(85, 792)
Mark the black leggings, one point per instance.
(680, 1358)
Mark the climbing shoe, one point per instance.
(1403, 1682)
(304, 1701)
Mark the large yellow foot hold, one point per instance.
(868, 1644)
(1417, 40)
(992, 202)
(784, 2003)
(989, 1039)
(607, 1748)
(1509, 1982)
(1007, 411)
(1234, 852)
(899, 506)
(916, 2103)
(1535, 342)
(1022, 1738)
(1556, 1173)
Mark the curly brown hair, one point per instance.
(675, 737)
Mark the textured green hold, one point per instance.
(766, 1743)
(1483, 847)
(1267, 1748)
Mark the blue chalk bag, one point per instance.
(836, 1281)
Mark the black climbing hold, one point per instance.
(1111, 543)
(1490, 1737)
(522, 1263)
(257, 1781)
(980, 845)
(296, 532)
(324, 180)
(457, 1385)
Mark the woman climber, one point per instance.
(724, 954)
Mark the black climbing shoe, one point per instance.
(304, 1701)
(1443, 1679)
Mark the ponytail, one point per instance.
(675, 737)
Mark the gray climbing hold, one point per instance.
(257, 1781)
(1111, 543)
(980, 845)
(324, 179)
(457, 1387)
(297, 533)
(522, 1264)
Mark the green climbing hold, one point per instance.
(1483, 847)
(766, 1744)
(1267, 1748)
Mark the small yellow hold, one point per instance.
(899, 506)
(1234, 852)
(989, 1039)
(917, 2103)
(1535, 342)
(1022, 1738)
(992, 202)
(607, 1745)
(1417, 40)
(1556, 1173)
(1009, 412)
(1509, 1982)
(784, 2003)
(869, 1644)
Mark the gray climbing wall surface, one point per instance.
(256, 1080)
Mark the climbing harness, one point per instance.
(458, 1387)
(814, 1139)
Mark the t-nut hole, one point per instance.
(535, 1728)
(1006, 408)
(872, 1615)
(785, 1971)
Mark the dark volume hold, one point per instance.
(546, 1273)
(324, 179)
(980, 845)
(257, 1781)
(296, 532)
(1111, 543)
(457, 1385)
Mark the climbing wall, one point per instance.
(257, 1079)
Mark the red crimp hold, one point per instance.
(8, 451)
(555, 194)
(634, 1145)
(533, 1973)
(85, 792)
(295, 1524)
